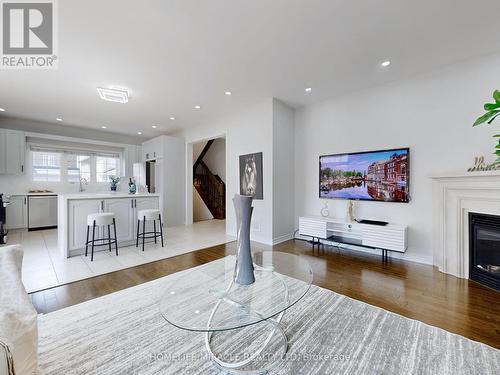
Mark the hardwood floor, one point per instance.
(413, 290)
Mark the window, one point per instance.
(52, 165)
(106, 166)
(46, 166)
(78, 167)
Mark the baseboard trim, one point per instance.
(284, 238)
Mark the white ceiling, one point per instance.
(174, 54)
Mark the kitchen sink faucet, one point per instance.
(82, 182)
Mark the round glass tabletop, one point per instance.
(207, 298)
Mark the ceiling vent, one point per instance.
(113, 95)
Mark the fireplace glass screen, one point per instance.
(484, 248)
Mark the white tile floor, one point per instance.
(44, 267)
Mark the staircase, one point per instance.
(211, 188)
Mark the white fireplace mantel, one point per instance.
(454, 196)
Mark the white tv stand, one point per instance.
(390, 237)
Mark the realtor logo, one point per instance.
(28, 34)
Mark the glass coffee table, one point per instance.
(246, 318)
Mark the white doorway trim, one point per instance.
(189, 172)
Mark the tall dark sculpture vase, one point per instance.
(243, 274)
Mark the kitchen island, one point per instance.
(73, 209)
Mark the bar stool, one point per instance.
(96, 220)
(148, 215)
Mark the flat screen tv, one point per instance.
(372, 176)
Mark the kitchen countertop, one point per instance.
(30, 194)
(105, 195)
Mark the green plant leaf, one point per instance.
(486, 117)
(496, 96)
(493, 118)
(491, 106)
(497, 136)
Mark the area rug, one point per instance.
(124, 333)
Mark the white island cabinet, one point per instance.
(73, 210)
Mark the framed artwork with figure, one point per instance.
(251, 175)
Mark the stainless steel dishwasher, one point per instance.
(42, 212)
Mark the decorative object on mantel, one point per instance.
(350, 208)
(325, 212)
(243, 273)
(114, 181)
(480, 165)
(492, 112)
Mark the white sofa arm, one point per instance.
(18, 317)
(6, 360)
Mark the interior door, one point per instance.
(123, 208)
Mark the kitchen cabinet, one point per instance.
(3, 157)
(124, 216)
(131, 156)
(12, 152)
(152, 149)
(78, 210)
(73, 210)
(170, 176)
(17, 212)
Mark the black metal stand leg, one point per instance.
(137, 238)
(109, 237)
(161, 229)
(116, 238)
(143, 231)
(154, 228)
(87, 242)
(93, 240)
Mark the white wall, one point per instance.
(246, 132)
(283, 171)
(432, 114)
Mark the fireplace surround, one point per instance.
(484, 249)
(455, 196)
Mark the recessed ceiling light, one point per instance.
(197, 107)
(59, 119)
(172, 118)
(154, 126)
(385, 64)
(113, 95)
(228, 93)
(103, 127)
(2, 110)
(140, 133)
(308, 89)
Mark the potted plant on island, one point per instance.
(114, 181)
(492, 112)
